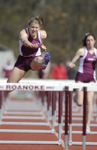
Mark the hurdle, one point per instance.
(59, 86)
(40, 87)
(68, 122)
(33, 82)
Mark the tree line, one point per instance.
(66, 22)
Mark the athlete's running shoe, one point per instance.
(45, 60)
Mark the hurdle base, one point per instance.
(30, 142)
(87, 143)
(59, 142)
(70, 142)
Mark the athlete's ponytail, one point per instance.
(41, 20)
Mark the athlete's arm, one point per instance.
(78, 54)
(43, 37)
(43, 34)
(24, 39)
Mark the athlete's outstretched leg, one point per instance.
(40, 63)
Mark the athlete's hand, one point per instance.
(35, 45)
(71, 65)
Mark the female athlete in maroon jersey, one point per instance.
(31, 42)
(87, 56)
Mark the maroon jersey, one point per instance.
(27, 51)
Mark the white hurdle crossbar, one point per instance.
(31, 86)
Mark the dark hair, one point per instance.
(38, 20)
(85, 38)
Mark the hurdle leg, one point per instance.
(42, 100)
(1, 105)
(60, 115)
(70, 117)
(48, 105)
(84, 117)
(53, 110)
(55, 107)
(66, 117)
(96, 106)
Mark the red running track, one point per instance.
(37, 136)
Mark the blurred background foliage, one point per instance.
(66, 22)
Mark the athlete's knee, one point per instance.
(35, 67)
(79, 102)
(38, 59)
(36, 63)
